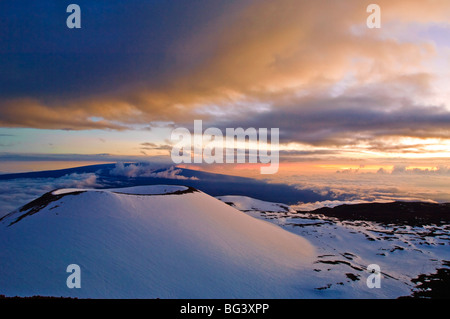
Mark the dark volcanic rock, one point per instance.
(401, 213)
(37, 205)
(433, 286)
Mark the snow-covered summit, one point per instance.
(136, 243)
(136, 190)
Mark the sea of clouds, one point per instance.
(15, 193)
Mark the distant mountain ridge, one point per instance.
(403, 213)
(211, 183)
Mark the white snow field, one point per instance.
(248, 204)
(346, 248)
(150, 242)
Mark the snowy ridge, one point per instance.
(137, 190)
(244, 203)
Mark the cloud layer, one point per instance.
(17, 192)
(20, 191)
(143, 170)
(311, 68)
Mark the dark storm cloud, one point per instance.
(121, 43)
(337, 121)
(134, 62)
(102, 158)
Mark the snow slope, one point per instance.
(244, 203)
(149, 242)
(346, 247)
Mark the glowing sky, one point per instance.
(344, 96)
